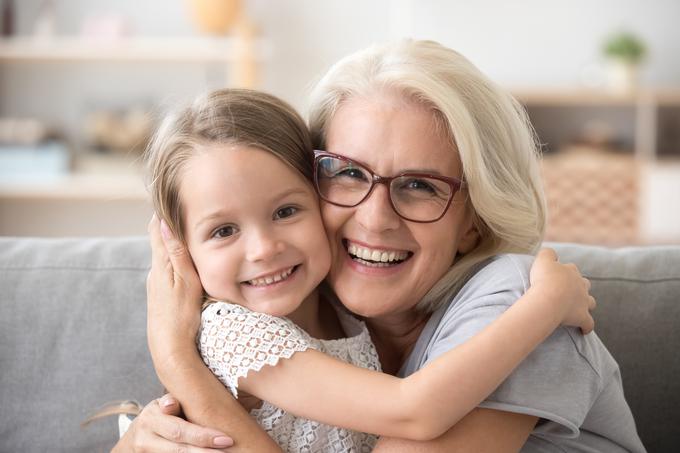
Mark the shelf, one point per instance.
(593, 97)
(94, 177)
(150, 49)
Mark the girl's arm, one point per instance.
(426, 404)
(422, 406)
(174, 296)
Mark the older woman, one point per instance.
(417, 106)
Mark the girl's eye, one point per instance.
(286, 211)
(224, 231)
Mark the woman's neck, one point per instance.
(395, 336)
(317, 318)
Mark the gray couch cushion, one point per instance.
(638, 319)
(72, 337)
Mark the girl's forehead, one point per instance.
(237, 178)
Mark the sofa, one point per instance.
(72, 336)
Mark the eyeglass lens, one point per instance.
(414, 197)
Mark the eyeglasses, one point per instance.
(417, 197)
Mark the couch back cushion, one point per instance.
(72, 337)
(638, 319)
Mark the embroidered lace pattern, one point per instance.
(234, 340)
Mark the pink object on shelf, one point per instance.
(108, 27)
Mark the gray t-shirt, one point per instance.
(570, 381)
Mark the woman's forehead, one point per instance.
(392, 135)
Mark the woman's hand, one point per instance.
(174, 297)
(564, 284)
(158, 428)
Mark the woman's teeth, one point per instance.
(370, 256)
(274, 278)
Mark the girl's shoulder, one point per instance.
(234, 340)
(240, 321)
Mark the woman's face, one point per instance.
(391, 135)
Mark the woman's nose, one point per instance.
(263, 245)
(375, 213)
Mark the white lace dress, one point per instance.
(234, 340)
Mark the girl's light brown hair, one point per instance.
(229, 117)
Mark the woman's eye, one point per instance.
(284, 212)
(225, 231)
(419, 185)
(349, 172)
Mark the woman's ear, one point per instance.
(468, 240)
(469, 236)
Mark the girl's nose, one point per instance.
(263, 245)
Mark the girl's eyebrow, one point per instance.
(209, 217)
(280, 196)
(291, 191)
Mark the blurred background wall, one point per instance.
(621, 142)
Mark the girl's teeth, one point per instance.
(271, 278)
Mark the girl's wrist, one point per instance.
(551, 301)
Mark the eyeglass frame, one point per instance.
(454, 183)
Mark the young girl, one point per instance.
(232, 178)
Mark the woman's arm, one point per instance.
(174, 295)
(426, 404)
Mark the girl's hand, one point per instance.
(158, 428)
(174, 297)
(563, 285)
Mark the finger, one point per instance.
(592, 303)
(169, 405)
(587, 282)
(181, 431)
(159, 256)
(160, 445)
(547, 254)
(588, 326)
(178, 254)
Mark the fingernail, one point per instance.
(165, 231)
(223, 441)
(167, 402)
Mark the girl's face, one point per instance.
(391, 135)
(253, 229)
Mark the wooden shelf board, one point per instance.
(151, 49)
(591, 97)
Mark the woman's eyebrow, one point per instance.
(430, 171)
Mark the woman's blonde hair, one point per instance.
(228, 117)
(486, 125)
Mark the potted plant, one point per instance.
(624, 52)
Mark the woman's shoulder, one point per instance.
(499, 280)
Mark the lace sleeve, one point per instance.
(234, 340)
